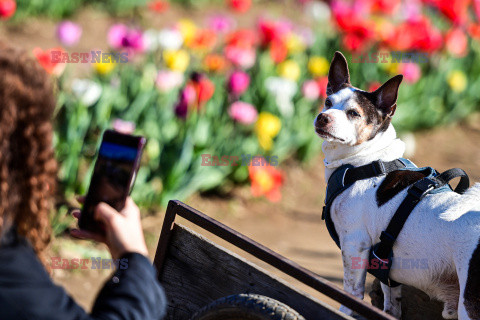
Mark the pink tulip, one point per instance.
(411, 72)
(116, 33)
(221, 23)
(310, 90)
(168, 80)
(243, 112)
(238, 82)
(241, 57)
(456, 42)
(189, 94)
(123, 126)
(69, 33)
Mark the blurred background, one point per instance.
(243, 77)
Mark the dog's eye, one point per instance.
(353, 113)
(328, 103)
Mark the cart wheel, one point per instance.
(246, 307)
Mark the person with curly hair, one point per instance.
(27, 187)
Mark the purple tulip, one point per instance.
(243, 112)
(122, 37)
(181, 109)
(238, 82)
(69, 33)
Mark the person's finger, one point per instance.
(106, 213)
(86, 235)
(76, 213)
(131, 209)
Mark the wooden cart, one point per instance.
(195, 271)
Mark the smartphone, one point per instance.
(113, 176)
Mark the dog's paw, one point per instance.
(397, 313)
(346, 310)
(449, 314)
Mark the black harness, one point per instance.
(381, 254)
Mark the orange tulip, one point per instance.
(265, 180)
(215, 63)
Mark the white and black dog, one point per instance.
(443, 228)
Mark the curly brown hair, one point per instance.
(27, 161)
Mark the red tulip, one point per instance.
(240, 6)
(374, 86)
(159, 6)
(242, 38)
(418, 35)
(205, 90)
(7, 8)
(455, 10)
(47, 61)
(385, 6)
(322, 85)
(278, 50)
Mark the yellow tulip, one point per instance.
(289, 69)
(188, 29)
(457, 80)
(294, 44)
(176, 60)
(390, 68)
(104, 68)
(318, 66)
(267, 127)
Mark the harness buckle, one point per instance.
(378, 168)
(422, 187)
(387, 238)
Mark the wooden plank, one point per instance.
(196, 272)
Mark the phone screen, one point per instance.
(113, 175)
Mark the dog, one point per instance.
(443, 229)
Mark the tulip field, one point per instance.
(212, 88)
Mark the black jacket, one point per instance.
(27, 292)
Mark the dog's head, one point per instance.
(352, 116)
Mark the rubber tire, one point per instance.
(246, 307)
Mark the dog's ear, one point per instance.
(338, 73)
(386, 95)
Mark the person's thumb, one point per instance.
(106, 213)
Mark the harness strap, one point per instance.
(374, 169)
(450, 174)
(383, 250)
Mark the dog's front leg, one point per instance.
(355, 252)
(392, 297)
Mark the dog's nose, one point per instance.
(323, 119)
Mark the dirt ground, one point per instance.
(293, 226)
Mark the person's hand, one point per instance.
(123, 230)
